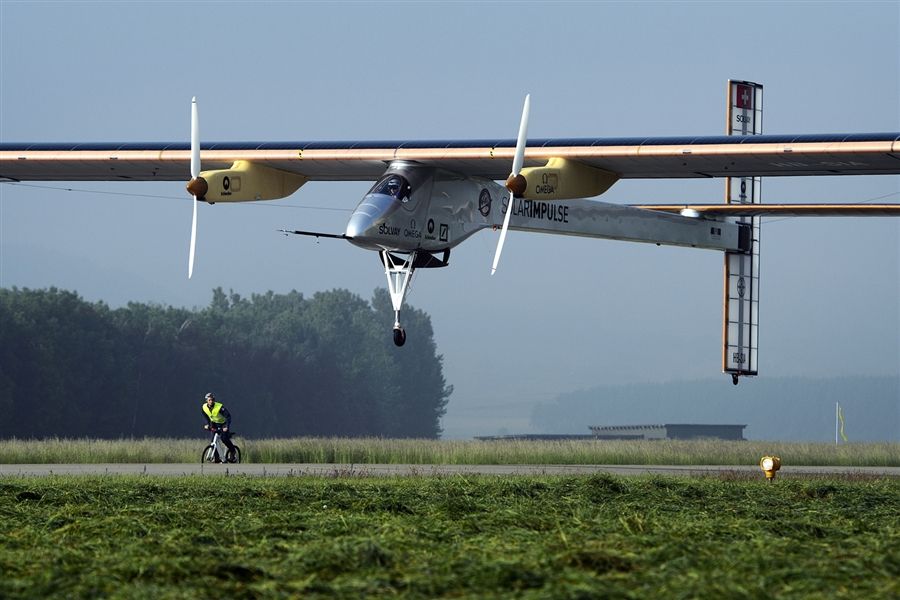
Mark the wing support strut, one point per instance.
(317, 234)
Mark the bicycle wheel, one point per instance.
(210, 454)
(233, 456)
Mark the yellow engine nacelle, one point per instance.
(562, 179)
(246, 181)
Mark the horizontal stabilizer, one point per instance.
(783, 210)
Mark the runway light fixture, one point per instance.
(770, 465)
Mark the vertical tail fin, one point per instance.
(740, 327)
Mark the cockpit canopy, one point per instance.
(393, 185)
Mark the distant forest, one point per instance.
(284, 365)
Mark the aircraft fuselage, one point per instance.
(415, 208)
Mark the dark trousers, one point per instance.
(226, 439)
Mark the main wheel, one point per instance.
(210, 454)
(233, 456)
(399, 336)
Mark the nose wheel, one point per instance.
(399, 336)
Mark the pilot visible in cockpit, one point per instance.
(393, 187)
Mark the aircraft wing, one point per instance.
(628, 158)
(780, 210)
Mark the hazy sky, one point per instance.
(562, 313)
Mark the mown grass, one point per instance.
(430, 537)
(399, 451)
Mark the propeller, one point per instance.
(515, 183)
(197, 186)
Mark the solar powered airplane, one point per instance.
(430, 196)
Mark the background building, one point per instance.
(668, 432)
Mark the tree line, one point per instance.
(283, 364)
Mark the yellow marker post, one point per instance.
(770, 465)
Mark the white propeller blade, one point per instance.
(518, 160)
(193, 241)
(195, 172)
(195, 139)
(502, 236)
(520, 141)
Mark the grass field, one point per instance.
(468, 537)
(393, 451)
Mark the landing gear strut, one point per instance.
(399, 273)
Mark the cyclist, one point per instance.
(218, 418)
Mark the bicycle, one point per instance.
(216, 450)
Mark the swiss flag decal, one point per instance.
(744, 96)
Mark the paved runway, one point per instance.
(364, 470)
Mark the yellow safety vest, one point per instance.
(213, 414)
